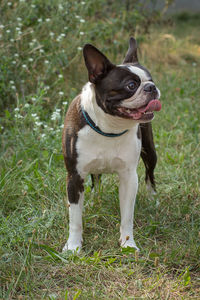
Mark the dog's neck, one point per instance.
(104, 121)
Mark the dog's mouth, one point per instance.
(143, 113)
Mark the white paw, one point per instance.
(128, 242)
(72, 246)
(150, 190)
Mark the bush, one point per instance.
(39, 40)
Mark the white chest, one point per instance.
(98, 154)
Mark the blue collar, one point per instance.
(96, 128)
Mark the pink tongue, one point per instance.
(153, 105)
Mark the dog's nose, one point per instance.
(149, 88)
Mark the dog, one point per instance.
(105, 129)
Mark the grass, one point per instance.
(34, 213)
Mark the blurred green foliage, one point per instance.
(39, 40)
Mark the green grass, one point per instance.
(34, 212)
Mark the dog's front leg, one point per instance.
(75, 191)
(127, 194)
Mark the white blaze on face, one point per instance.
(144, 76)
(140, 73)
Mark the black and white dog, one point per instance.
(103, 134)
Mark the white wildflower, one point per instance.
(16, 109)
(8, 30)
(26, 105)
(61, 93)
(82, 20)
(55, 116)
(13, 62)
(60, 76)
(38, 123)
(46, 62)
(48, 20)
(18, 116)
(79, 48)
(65, 102)
(30, 59)
(24, 66)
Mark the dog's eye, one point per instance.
(131, 86)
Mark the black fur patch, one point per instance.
(148, 152)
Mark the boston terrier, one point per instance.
(106, 129)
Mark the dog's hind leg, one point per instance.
(148, 155)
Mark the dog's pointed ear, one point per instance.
(96, 62)
(131, 55)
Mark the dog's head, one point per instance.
(125, 90)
